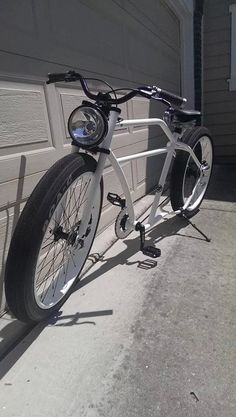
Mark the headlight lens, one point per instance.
(87, 125)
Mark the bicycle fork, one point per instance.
(97, 175)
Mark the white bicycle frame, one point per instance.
(172, 145)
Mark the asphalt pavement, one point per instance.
(141, 337)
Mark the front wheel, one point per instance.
(189, 183)
(47, 254)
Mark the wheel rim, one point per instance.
(61, 256)
(196, 180)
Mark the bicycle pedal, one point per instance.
(151, 251)
(116, 200)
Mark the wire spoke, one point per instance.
(84, 194)
(75, 207)
(60, 257)
(45, 257)
(44, 247)
(60, 267)
(52, 273)
(45, 281)
(69, 199)
(44, 265)
(49, 237)
(52, 262)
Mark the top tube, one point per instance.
(148, 92)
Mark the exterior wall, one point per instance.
(219, 105)
(198, 13)
(119, 41)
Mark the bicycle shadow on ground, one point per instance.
(170, 227)
(166, 229)
(32, 332)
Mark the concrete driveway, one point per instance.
(138, 338)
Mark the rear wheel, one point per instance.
(47, 254)
(189, 183)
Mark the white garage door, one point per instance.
(127, 43)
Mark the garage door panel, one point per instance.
(8, 220)
(143, 109)
(26, 143)
(69, 101)
(25, 21)
(79, 37)
(21, 165)
(18, 190)
(138, 141)
(23, 116)
(21, 130)
(152, 60)
(148, 167)
(121, 142)
(156, 18)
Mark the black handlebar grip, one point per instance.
(173, 98)
(56, 77)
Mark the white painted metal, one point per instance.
(201, 185)
(141, 155)
(121, 176)
(186, 148)
(99, 170)
(148, 122)
(153, 217)
(172, 144)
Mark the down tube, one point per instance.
(120, 174)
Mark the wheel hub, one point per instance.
(59, 234)
(69, 237)
(72, 237)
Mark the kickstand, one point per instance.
(195, 227)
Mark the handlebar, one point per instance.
(71, 76)
(149, 92)
(173, 98)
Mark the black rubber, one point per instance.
(151, 251)
(190, 137)
(28, 235)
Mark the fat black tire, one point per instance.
(29, 232)
(191, 137)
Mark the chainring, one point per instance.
(122, 226)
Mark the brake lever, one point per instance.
(143, 91)
(162, 100)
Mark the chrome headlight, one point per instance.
(87, 125)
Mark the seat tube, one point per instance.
(99, 170)
(162, 181)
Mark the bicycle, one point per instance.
(56, 229)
